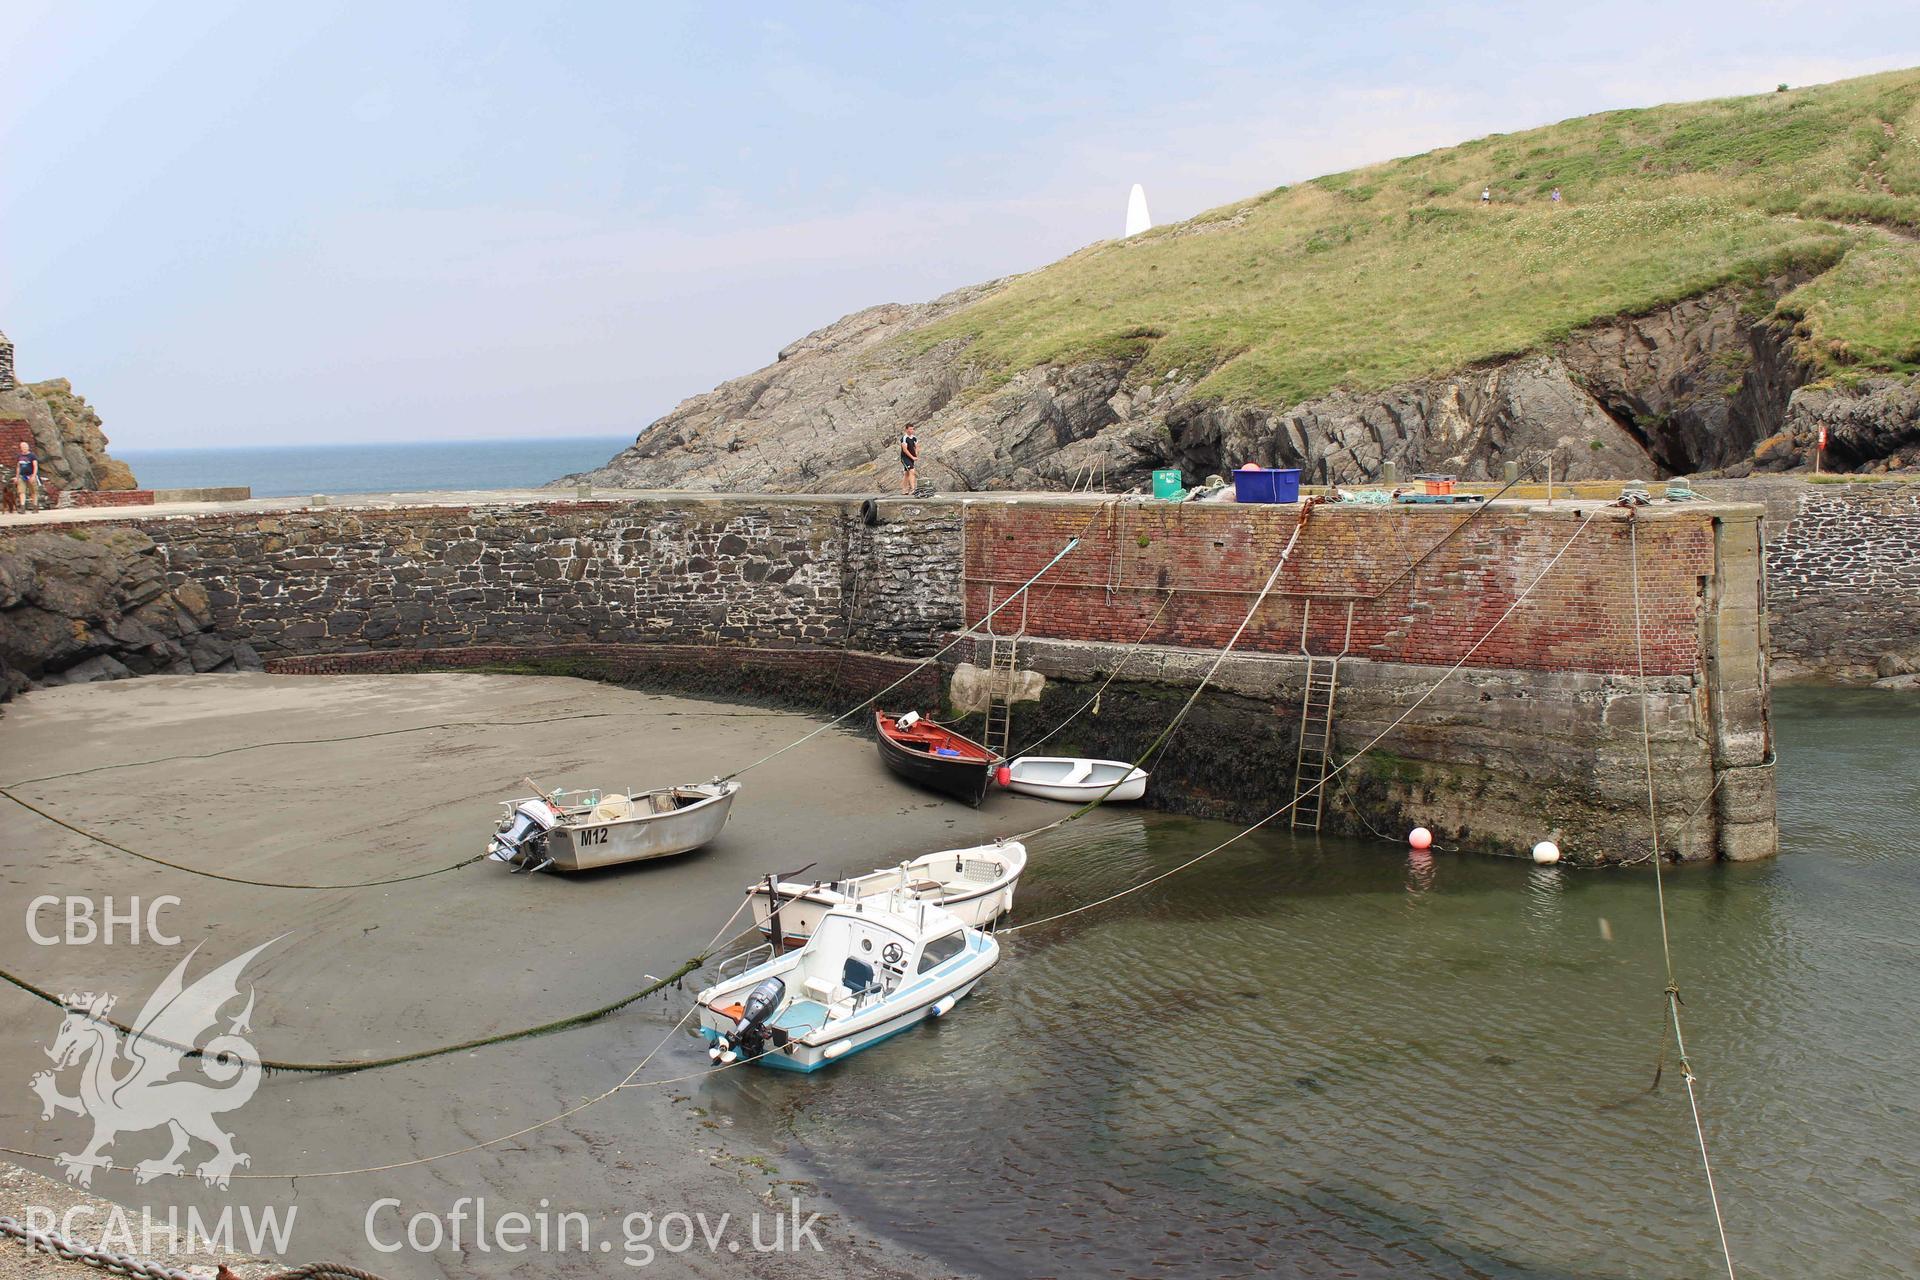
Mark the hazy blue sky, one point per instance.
(267, 223)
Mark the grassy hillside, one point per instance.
(1396, 271)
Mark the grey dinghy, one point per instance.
(975, 885)
(581, 830)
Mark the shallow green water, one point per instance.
(1325, 1059)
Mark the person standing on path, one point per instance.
(909, 460)
(1486, 196)
(26, 475)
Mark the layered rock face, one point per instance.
(1692, 387)
(94, 604)
(66, 434)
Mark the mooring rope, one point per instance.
(1286, 553)
(115, 845)
(626, 1082)
(1336, 772)
(965, 634)
(1138, 645)
(1660, 897)
(347, 1066)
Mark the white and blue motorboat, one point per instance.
(873, 967)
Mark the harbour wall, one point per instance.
(1843, 574)
(1536, 733)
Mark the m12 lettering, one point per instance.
(592, 835)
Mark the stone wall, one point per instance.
(736, 572)
(1843, 575)
(821, 600)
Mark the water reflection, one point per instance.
(1270, 1063)
(1420, 872)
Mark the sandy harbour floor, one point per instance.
(372, 971)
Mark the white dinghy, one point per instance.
(872, 969)
(975, 885)
(581, 830)
(1075, 780)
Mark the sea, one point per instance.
(281, 471)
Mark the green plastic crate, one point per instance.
(1167, 485)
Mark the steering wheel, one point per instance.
(893, 953)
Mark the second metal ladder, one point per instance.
(1003, 654)
(1316, 727)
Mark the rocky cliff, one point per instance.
(1690, 387)
(80, 604)
(1716, 282)
(66, 434)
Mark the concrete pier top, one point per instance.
(1586, 498)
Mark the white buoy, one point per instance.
(1546, 853)
(1137, 217)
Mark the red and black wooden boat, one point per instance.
(934, 756)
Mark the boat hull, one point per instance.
(835, 1039)
(584, 846)
(976, 905)
(962, 778)
(1123, 782)
(807, 1058)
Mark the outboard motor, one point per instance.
(522, 837)
(751, 1034)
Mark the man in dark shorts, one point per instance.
(909, 460)
(26, 476)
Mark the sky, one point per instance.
(233, 224)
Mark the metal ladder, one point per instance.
(1316, 726)
(1003, 652)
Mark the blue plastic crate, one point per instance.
(1268, 484)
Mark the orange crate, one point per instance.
(1438, 485)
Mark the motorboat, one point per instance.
(582, 830)
(934, 756)
(1074, 779)
(873, 968)
(974, 885)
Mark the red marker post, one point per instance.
(1820, 452)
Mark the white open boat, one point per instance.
(1076, 780)
(872, 969)
(976, 885)
(581, 830)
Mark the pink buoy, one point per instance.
(1003, 775)
(1420, 838)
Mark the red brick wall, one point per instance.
(1219, 555)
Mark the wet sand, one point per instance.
(374, 971)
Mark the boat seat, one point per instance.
(925, 886)
(822, 988)
(1080, 773)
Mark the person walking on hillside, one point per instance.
(26, 476)
(909, 460)
(1486, 196)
